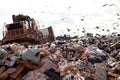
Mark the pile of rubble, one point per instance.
(91, 58)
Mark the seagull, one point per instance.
(69, 7)
(97, 34)
(105, 5)
(108, 30)
(63, 19)
(68, 29)
(103, 30)
(114, 28)
(77, 29)
(97, 27)
(112, 5)
(83, 30)
(42, 12)
(118, 14)
(115, 23)
(82, 19)
(109, 5)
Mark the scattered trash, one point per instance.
(87, 58)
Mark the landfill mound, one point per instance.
(86, 58)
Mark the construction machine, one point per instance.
(23, 29)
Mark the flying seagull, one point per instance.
(43, 12)
(74, 32)
(114, 28)
(82, 19)
(77, 29)
(97, 27)
(108, 30)
(115, 23)
(118, 14)
(97, 34)
(63, 19)
(83, 30)
(69, 7)
(105, 5)
(109, 5)
(68, 29)
(112, 5)
(103, 30)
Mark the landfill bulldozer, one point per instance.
(23, 29)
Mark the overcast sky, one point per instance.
(75, 15)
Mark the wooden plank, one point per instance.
(19, 70)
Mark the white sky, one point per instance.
(63, 14)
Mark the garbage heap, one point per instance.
(86, 58)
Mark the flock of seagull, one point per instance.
(115, 24)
